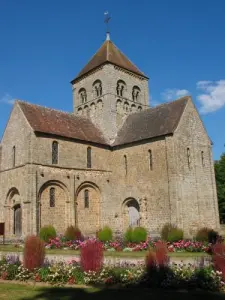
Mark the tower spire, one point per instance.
(106, 20)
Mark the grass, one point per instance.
(25, 292)
(138, 254)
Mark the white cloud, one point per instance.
(172, 94)
(212, 97)
(7, 99)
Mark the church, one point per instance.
(114, 160)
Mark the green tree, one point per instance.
(220, 183)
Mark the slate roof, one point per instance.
(109, 53)
(150, 123)
(50, 121)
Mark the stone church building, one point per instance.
(113, 161)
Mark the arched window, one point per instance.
(17, 224)
(80, 111)
(52, 197)
(139, 108)
(120, 88)
(136, 93)
(203, 158)
(189, 157)
(86, 198)
(14, 156)
(150, 159)
(82, 95)
(55, 153)
(126, 106)
(97, 88)
(125, 164)
(89, 157)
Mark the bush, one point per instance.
(139, 235)
(73, 234)
(105, 234)
(165, 231)
(175, 235)
(213, 236)
(219, 258)
(34, 253)
(202, 234)
(47, 233)
(91, 256)
(128, 235)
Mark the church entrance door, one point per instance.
(131, 213)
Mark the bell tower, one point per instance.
(109, 88)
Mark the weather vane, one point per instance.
(106, 20)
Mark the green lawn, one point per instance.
(141, 254)
(23, 292)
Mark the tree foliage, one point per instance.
(220, 183)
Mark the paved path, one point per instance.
(119, 260)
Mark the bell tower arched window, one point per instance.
(120, 88)
(97, 88)
(55, 153)
(136, 93)
(82, 95)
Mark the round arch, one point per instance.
(88, 199)
(131, 213)
(13, 213)
(53, 206)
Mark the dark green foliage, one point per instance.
(128, 235)
(105, 234)
(207, 235)
(139, 235)
(165, 231)
(220, 183)
(170, 233)
(47, 233)
(72, 233)
(175, 235)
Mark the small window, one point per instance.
(150, 160)
(203, 158)
(136, 93)
(189, 157)
(86, 198)
(120, 88)
(89, 157)
(97, 87)
(125, 164)
(14, 156)
(82, 95)
(52, 197)
(55, 153)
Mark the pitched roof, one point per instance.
(50, 121)
(150, 123)
(109, 53)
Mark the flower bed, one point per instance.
(117, 245)
(61, 273)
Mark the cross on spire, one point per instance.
(106, 21)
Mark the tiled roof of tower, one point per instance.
(62, 124)
(151, 123)
(109, 53)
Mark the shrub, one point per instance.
(213, 236)
(128, 235)
(105, 234)
(165, 231)
(161, 254)
(202, 234)
(34, 252)
(139, 235)
(175, 235)
(91, 256)
(47, 233)
(219, 258)
(73, 234)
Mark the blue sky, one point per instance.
(180, 45)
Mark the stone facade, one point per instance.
(150, 182)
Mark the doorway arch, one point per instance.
(131, 213)
(17, 220)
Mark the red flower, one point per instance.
(71, 280)
(4, 275)
(37, 278)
